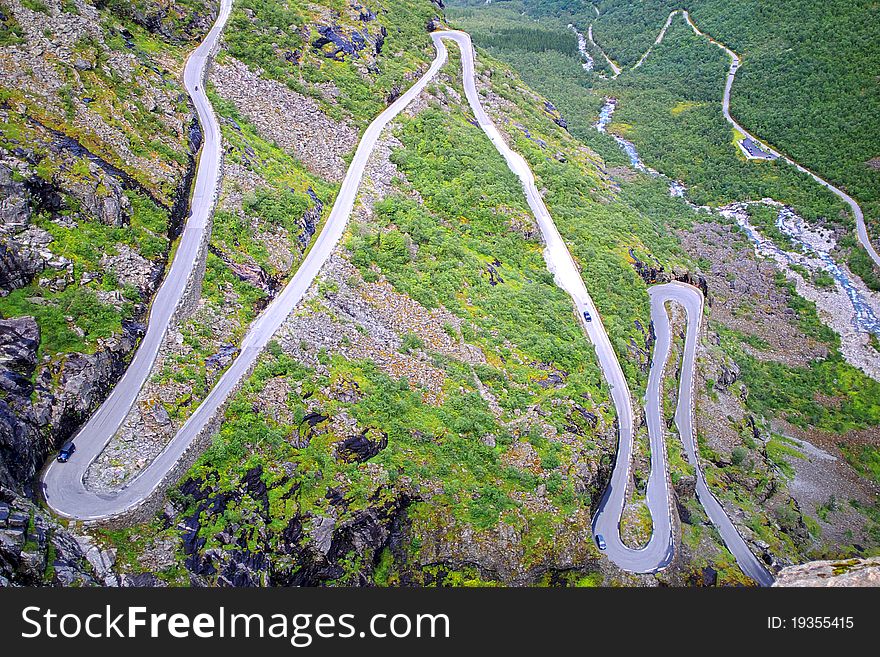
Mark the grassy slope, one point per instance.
(669, 108)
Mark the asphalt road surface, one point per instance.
(691, 299)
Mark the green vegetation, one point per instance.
(176, 20)
(544, 54)
(804, 62)
(860, 262)
(604, 227)
(807, 318)
(362, 96)
(780, 450)
(670, 107)
(864, 458)
(464, 190)
(71, 320)
(437, 248)
(277, 207)
(792, 391)
(81, 303)
(36, 5)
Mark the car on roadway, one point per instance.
(587, 316)
(600, 541)
(67, 450)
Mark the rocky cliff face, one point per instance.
(37, 551)
(96, 155)
(95, 150)
(841, 572)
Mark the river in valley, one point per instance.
(847, 306)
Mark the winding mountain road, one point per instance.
(658, 553)
(746, 559)
(691, 299)
(63, 485)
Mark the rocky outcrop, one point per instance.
(554, 114)
(15, 211)
(248, 272)
(335, 44)
(84, 380)
(22, 446)
(293, 121)
(131, 269)
(308, 551)
(37, 551)
(40, 409)
(20, 261)
(102, 197)
(839, 573)
(176, 23)
(66, 56)
(656, 273)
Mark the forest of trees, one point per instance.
(808, 83)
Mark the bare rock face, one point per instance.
(102, 197)
(22, 447)
(69, 168)
(38, 411)
(294, 122)
(844, 572)
(19, 339)
(14, 209)
(37, 551)
(18, 264)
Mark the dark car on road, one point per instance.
(587, 317)
(67, 450)
(600, 541)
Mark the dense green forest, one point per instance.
(808, 84)
(670, 107)
(694, 70)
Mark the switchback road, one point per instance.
(64, 487)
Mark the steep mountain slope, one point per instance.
(431, 413)
(774, 374)
(97, 142)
